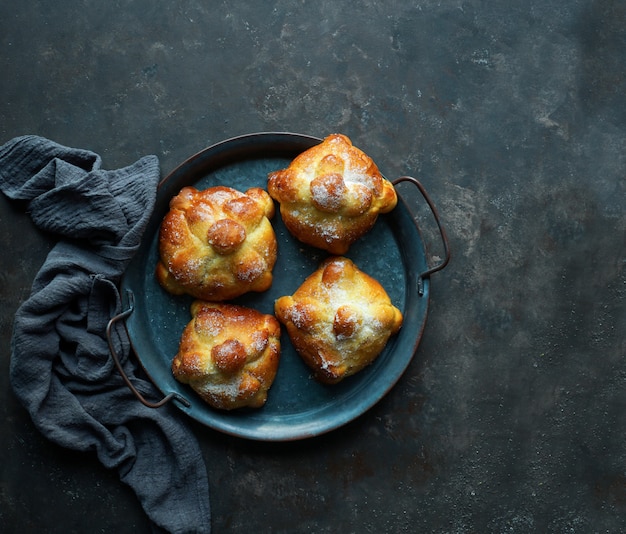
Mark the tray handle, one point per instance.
(442, 232)
(122, 316)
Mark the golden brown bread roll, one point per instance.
(217, 244)
(331, 194)
(339, 320)
(228, 354)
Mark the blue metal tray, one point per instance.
(298, 407)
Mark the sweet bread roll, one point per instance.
(228, 354)
(217, 244)
(339, 320)
(331, 194)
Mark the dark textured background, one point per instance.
(511, 416)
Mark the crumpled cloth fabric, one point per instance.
(61, 368)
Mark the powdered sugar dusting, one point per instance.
(259, 341)
(298, 316)
(228, 390)
(248, 272)
(324, 198)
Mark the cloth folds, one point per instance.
(61, 369)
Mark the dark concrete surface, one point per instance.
(510, 417)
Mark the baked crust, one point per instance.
(331, 194)
(228, 354)
(339, 320)
(217, 244)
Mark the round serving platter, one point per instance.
(298, 407)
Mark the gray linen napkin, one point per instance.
(61, 368)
